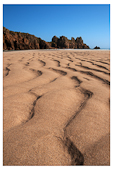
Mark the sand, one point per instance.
(56, 107)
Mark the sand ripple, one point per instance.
(56, 107)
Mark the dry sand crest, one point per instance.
(56, 107)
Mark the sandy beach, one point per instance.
(56, 107)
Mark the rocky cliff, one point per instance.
(63, 42)
(23, 41)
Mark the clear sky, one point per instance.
(91, 22)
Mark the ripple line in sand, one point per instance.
(59, 71)
(32, 110)
(103, 62)
(58, 62)
(98, 65)
(88, 94)
(77, 157)
(77, 80)
(73, 69)
(53, 80)
(27, 64)
(93, 69)
(7, 71)
(43, 62)
(95, 76)
(38, 72)
(73, 151)
(101, 66)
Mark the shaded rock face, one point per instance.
(54, 42)
(80, 44)
(63, 42)
(72, 43)
(23, 41)
(55, 39)
(44, 45)
(96, 47)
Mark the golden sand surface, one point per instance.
(56, 107)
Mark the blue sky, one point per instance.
(91, 22)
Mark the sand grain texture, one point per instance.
(56, 107)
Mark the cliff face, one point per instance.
(23, 41)
(63, 42)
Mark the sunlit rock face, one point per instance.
(23, 41)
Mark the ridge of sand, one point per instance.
(56, 107)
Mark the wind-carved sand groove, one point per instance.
(71, 68)
(101, 66)
(98, 65)
(76, 79)
(32, 110)
(58, 62)
(7, 71)
(95, 76)
(27, 64)
(38, 72)
(91, 74)
(43, 63)
(77, 157)
(59, 71)
(56, 115)
(53, 80)
(87, 95)
(94, 69)
(103, 62)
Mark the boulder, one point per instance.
(96, 47)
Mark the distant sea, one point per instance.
(59, 49)
(79, 49)
(103, 49)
